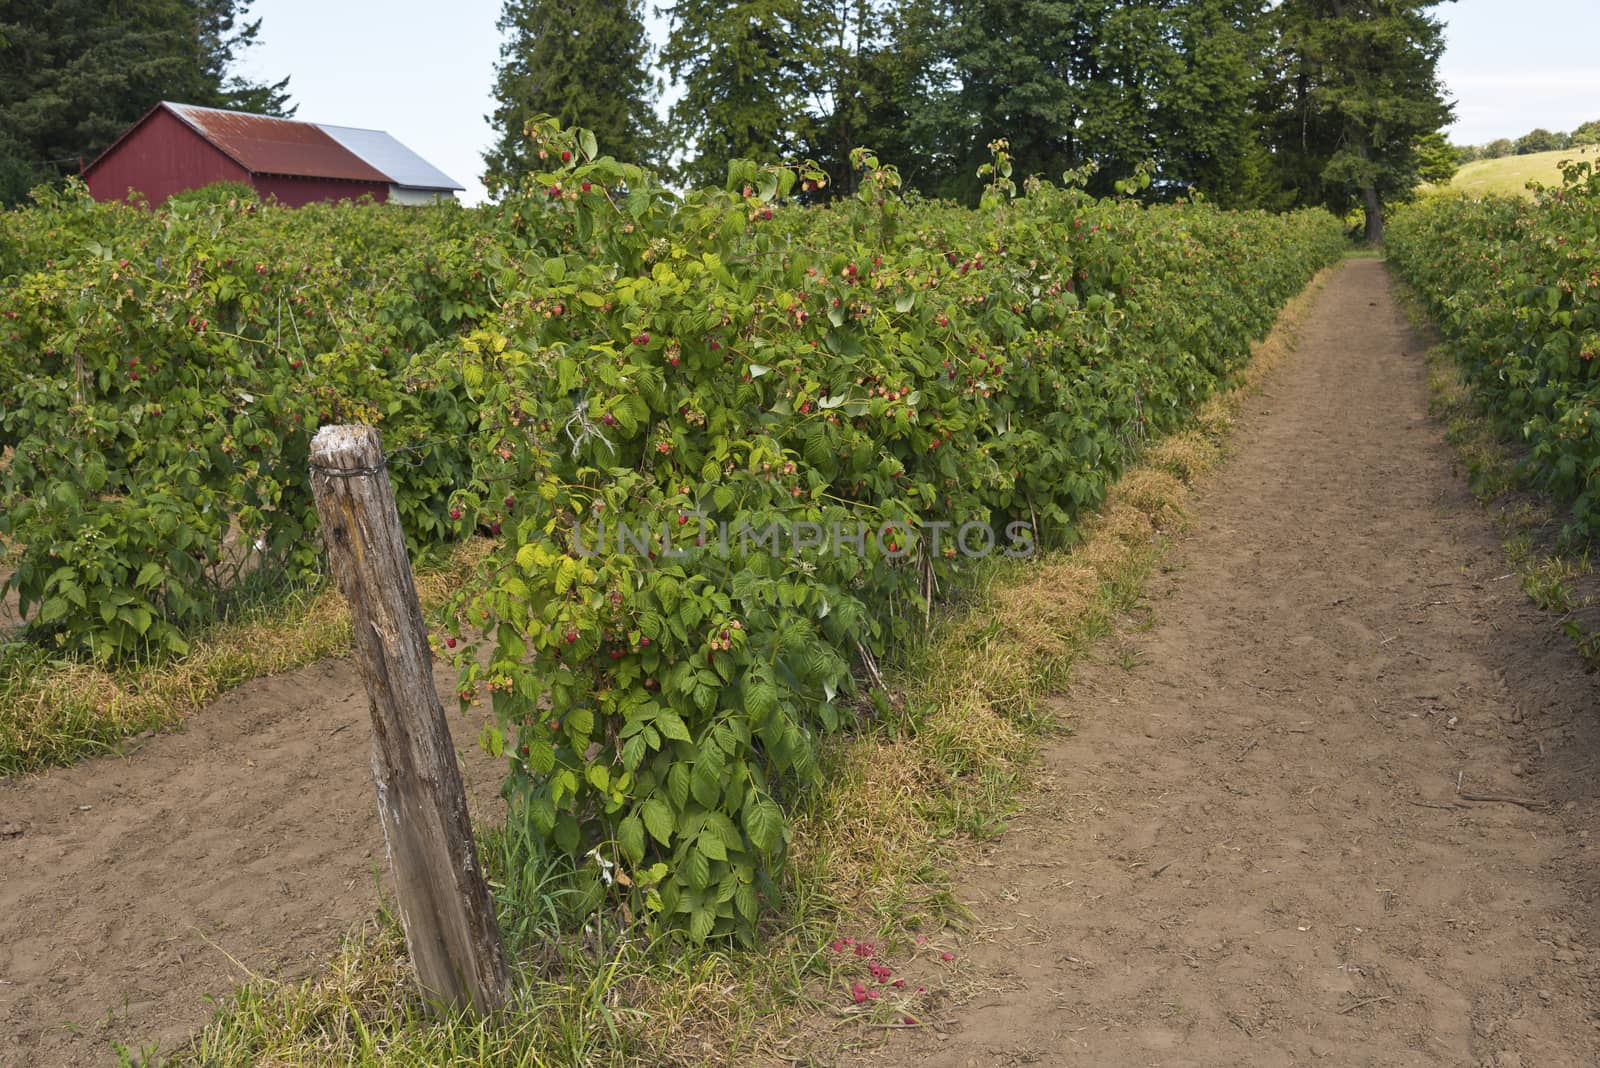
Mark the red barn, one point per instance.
(179, 146)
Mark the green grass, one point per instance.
(1510, 175)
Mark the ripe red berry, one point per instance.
(586, 187)
(572, 636)
(455, 513)
(450, 643)
(566, 157)
(511, 502)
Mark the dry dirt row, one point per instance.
(1252, 849)
(140, 885)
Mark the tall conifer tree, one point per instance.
(1361, 90)
(747, 68)
(584, 62)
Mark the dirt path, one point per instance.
(253, 836)
(1250, 852)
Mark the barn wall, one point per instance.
(406, 194)
(293, 192)
(162, 157)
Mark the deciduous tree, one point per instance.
(1541, 140)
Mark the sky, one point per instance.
(424, 71)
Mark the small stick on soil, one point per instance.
(1535, 806)
(1354, 1005)
(1161, 869)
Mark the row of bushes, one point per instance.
(732, 382)
(161, 374)
(1515, 286)
(722, 380)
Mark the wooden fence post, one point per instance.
(445, 906)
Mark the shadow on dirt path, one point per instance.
(1252, 851)
(138, 886)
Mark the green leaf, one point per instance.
(630, 839)
(696, 869)
(678, 786)
(671, 725)
(657, 818)
(744, 899)
(701, 923)
(541, 756)
(712, 846)
(567, 834)
(705, 783)
(764, 823)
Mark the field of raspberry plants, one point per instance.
(600, 349)
(1514, 284)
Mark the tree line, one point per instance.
(1253, 103)
(74, 74)
(1537, 140)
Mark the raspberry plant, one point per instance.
(597, 349)
(1515, 285)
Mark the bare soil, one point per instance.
(1268, 840)
(133, 888)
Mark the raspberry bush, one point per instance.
(599, 349)
(1515, 286)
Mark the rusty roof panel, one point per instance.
(264, 145)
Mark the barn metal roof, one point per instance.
(264, 145)
(403, 166)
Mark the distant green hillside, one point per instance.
(1511, 174)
